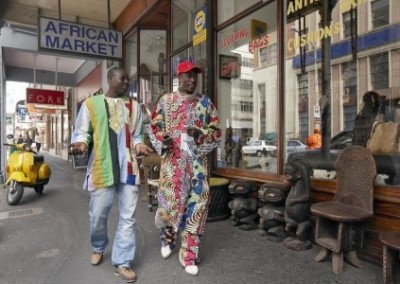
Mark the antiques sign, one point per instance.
(79, 39)
(44, 97)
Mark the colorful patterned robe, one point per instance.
(184, 192)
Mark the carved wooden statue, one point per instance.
(272, 220)
(229, 146)
(243, 207)
(297, 207)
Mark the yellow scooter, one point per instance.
(25, 169)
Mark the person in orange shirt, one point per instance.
(314, 141)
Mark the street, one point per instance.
(46, 240)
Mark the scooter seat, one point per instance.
(38, 159)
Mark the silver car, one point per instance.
(258, 146)
(295, 146)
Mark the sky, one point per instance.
(15, 91)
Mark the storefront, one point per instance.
(278, 71)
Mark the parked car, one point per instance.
(258, 146)
(295, 146)
(342, 140)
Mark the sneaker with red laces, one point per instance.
(126, 273)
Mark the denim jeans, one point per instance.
(101, 200)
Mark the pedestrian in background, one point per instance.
(110, 125)
(314, 141)
(20, 139)
(38, 142)
(184, 129)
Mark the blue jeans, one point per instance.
(101, 200)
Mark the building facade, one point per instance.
(278, 70)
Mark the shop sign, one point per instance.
(33, 109)
(44, 97)
(200, 34)
(258, 28)
(317, 111)
(233, 37)
(36, 117)
(75, 38)
(258, 43)
(296, 8)
(229, 66)
(21, 113)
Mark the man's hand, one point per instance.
(143, 149)
(77, 148)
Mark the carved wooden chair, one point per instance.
(336, 221)
(391, 257)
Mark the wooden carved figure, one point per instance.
(272, 220)
(243, 207)
(297, 207)
(229, 146)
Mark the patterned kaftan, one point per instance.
(183, 194)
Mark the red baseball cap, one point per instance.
(186, 66)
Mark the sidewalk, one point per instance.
(46, 240)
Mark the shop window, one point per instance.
(263, 108)
(152, 70)
(247, 94)
(379, 67)
(182, 22)
(268, 55)
(364, 62)
(349, 77)
(229, 9)
(303, 105)
(131, 55)
(380, 13)
(349, 115)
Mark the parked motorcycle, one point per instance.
(25, 169)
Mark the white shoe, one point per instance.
(192, 269)
(166, 251)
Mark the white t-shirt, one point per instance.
(37, 139)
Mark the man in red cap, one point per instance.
(184, 129)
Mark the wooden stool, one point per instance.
(391, 263)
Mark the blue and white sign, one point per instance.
(76, 38)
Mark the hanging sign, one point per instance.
(44, 97)
(317, 111)
(200, 31)
(79, 39)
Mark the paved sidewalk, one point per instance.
(46, 240)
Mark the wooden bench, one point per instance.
(391, 262)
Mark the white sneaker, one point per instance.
(166, 251)
(192, 269)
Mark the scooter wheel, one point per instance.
(14, 193)
(38, 189)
